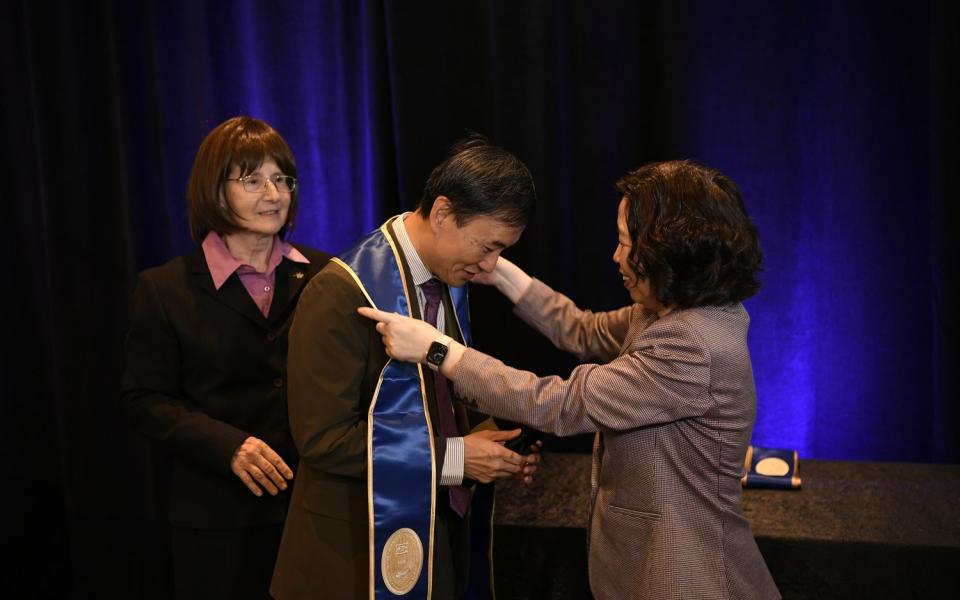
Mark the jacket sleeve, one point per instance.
(665, 376)
(326, 365)
(152, 383)
(583, 333)
(329, 367)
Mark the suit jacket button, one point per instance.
(271, 336)
(278, 382)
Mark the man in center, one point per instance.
(392, 493)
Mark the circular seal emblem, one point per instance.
(401, 561)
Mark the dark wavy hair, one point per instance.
(481, 179)
(244, 142)
(691, 235)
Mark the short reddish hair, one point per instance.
(244, 142)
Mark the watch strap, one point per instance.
(444, 340)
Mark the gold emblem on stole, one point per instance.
(401, 561)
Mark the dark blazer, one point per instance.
(336, 357)
(205, 370)
(673, 404)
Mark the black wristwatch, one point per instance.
(438, 351)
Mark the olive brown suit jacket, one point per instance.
(335, 361)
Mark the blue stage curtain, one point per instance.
(822, 113)
(838, 120)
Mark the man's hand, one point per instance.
(530, 469)
(254, 462)
(485, 459)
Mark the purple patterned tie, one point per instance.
(432, 293)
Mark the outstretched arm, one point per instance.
(508, 278)
(485, 457)
(664, 379)
(583, 333)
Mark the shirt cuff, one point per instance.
(452, 473)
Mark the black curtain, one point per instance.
(104, 104)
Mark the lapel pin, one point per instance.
(298, 274)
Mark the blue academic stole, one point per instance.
(401, 463)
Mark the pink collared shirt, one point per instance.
(222, 265)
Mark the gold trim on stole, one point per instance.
(493, 511)
(373, 402)
(356, 279)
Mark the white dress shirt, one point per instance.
(452, 471)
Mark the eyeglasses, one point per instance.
(257, 182)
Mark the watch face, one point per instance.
(436, 354)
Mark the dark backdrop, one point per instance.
(838, 120)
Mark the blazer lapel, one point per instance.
(231, 294)
(408, 279)
(460, 410)
(289, 281)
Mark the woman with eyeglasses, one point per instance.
(205, 362)
(667, 386)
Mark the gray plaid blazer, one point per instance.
(673, 404)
